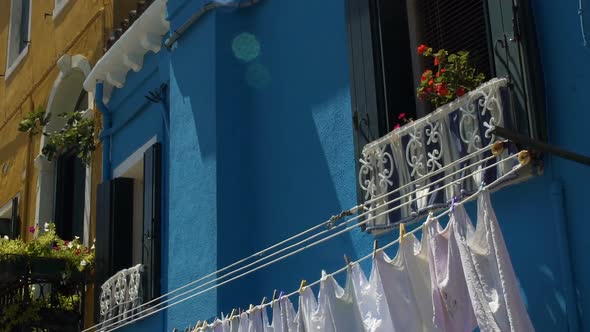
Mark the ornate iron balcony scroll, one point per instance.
(414, 156)
(121, 295)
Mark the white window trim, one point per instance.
(7, 208)
(136, 156)
(59, 7)
(10, 67)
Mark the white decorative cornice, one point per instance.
(144, 35)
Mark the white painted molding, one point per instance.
(134, 158)
(144, 35)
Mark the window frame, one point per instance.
(10, 211)
(12, 65)
(367, 76)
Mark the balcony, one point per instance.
(436, 151)
(120, 296)
(36, 294)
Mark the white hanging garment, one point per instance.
(244, 322)
(255, 317)
(225, 324)
(234, 324)
(266, 326)
(488, 270)
(340, 304)
(415, 257)
(217, 326)
(277, 321)
(312, 314)
(371, 300)
(450, 298)
(398, 292)
(289, 319)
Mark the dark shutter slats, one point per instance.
(152, 221)
(457, 26)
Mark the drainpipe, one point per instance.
(563, 246)
(105, 134)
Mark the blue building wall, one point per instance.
(135, 121)
(261, 148)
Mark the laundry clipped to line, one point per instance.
(436, 283)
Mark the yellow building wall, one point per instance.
(81, 28)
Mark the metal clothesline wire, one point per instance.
(154, 310)
(395, 241)
(312, 236)
(352, 210)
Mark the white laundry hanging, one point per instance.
(452, 307)
(371, 300)
(488, 270)
(415, 257)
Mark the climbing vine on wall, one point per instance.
(77, 133)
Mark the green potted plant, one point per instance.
(447, 77)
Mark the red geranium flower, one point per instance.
(431, 82)
(442, 90)
(460, 91)
(32, 229)
(436, 62)
(396, 126)
(422, 48)
(56, 247)
(401, 116)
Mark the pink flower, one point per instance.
(401, 116)
(397, 126)
(32, 229)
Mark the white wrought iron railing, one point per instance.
(412, 157)
(121, 295)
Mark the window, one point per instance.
(19, 33)
(9, 219)
(384, 35)
(128, 221)
(70, 186)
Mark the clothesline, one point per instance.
(497, 148)
(392, 243)
(153, 310)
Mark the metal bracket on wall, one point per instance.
(541, 146)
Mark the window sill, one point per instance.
(10, 69)
(59, 8)
(411, 163)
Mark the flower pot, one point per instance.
(50, 269)
(12, 268)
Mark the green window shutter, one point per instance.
(514, 45)
(14, 220)
(152, 198)
(114, 222)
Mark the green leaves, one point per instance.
(34, 122)
(451, 76)
(77, 133)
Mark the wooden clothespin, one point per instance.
(250, 307)
(498, 148)
(402, 232)
(524, 157)
(375, 248)
(274, 295)
(233, 314)
(263, 301)
(347, 260)
(302, 286)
